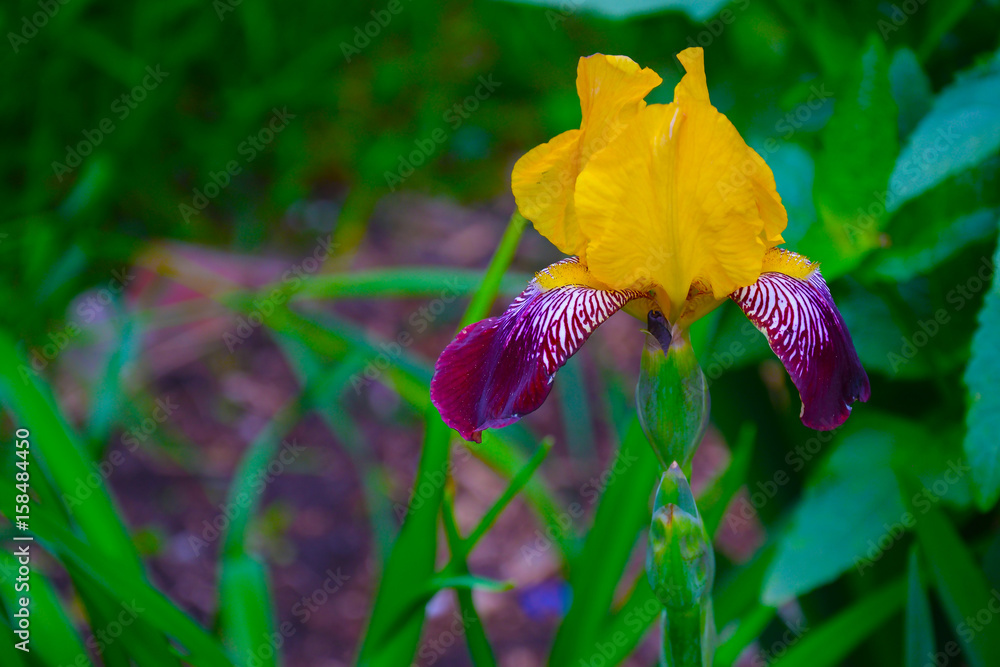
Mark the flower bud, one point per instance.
(680, 562)
(672, 395)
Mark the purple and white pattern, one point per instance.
(806, 331)
(498, 370)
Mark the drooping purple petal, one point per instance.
(500, 369)
(806, 331)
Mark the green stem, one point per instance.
(688, 636)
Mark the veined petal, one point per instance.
(498, 370)
(792, 306)
(611, 90)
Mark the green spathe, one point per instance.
(672, 394)
(680, 565)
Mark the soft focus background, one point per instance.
(236, 234)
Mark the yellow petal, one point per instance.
(611, 90)
(664, 206)
(693, 86)
(772, 211)
(779, 260)
(543, 181)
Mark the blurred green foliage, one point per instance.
(212, 123)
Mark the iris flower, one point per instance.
(666, 213)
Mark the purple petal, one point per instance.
(500, 369)
(806, 331)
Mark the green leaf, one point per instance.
(842, 514)
(911, 89)
(833, 641)
(982, 421)
(852, 509)
(919, 623)
(931, 245)
(960, 584)
(859, 143)
(961, 130)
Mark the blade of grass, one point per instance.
(120, 584)
(53, 638)
(397, 616)
(516, 484)
(750, 627)
(475, 635)
(57, 451)
(396, 283)
(68, 473)
(245, 607)
(620, 517)
(394, 627)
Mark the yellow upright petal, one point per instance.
(772, 211)
(693, 89)
(611, 90)
(693, 86)
(663, 206)
(543, 181)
